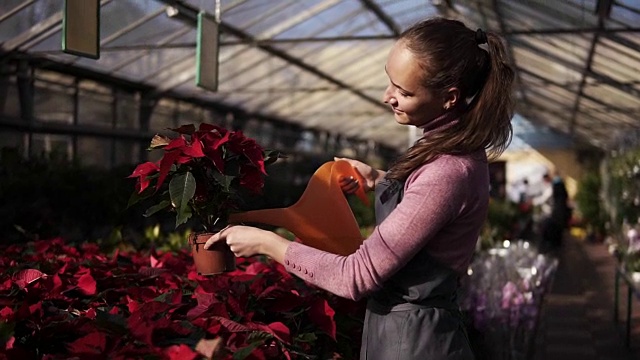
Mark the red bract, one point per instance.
(87, 284)
(120, 307)
(322, 315)
(251, 179)
(26, 277)
(181, 352)
(212, 137)
(206, 171)
(6, 313)
(207, 305)
(142, 172)
(92, 344)
(240, 144)
(281, 331)
(169, 158)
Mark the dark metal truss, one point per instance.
(189, 15)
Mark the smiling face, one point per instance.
(411, 102)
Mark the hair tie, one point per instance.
(481, 36)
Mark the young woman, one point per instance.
(455, 84)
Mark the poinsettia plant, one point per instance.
(210, 172)
(153, 304)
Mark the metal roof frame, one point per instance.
(588, 49)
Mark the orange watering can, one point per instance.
(321, 218)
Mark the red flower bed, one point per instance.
(61, 302)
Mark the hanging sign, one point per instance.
(207, 52)
(81, 28)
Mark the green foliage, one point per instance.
(364, 214)
(589, 203)
(623, 186)
(181, 189)
(151, 237)
(632, 261)
(501, 218)
(44, 198)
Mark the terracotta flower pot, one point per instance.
(215, 260)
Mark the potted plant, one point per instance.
(204, 174)
(589, 204)
(631, 264)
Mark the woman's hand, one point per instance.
(246, 241)
(370, 175)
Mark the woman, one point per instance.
(430, 205)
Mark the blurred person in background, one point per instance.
(553, 203)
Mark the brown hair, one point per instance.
(450, 55)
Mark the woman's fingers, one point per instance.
(219, 236)
(349, 184)
(213, 239)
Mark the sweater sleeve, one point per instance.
(433, 197)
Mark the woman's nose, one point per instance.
(386, 96)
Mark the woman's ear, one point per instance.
(451, 98)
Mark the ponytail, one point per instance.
(451, 56)
(492, 108)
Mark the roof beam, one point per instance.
(560, 85)
(627, 7)
(39, 32)
(562, 114)
(383, 16)
(595, 130)
(575, 30)
(189, 14)
(137, 56)
(19, 124)
(584, 74)
(292, 21)
(603, 9)
(609, 33)
(127, 29)
(16, 9)
(299, 63)
(622, 41)
(503, 28)
(624, 87)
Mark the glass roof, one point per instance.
(320, 63)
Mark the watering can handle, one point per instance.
(360, 191)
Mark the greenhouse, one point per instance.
(127, 127)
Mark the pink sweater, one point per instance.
(443, 208)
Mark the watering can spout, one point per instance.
(321, 218)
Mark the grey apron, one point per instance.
(415, 315)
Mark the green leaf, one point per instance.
(114, 323)
(182, 217)
(223, 180)
(242, 354)
(307, 337)
(166, 298)
(155, 208)
(270, 156)
(136, 197)
(6, 331)
(114, 237)
(181, 190)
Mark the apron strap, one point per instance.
(438, 303)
